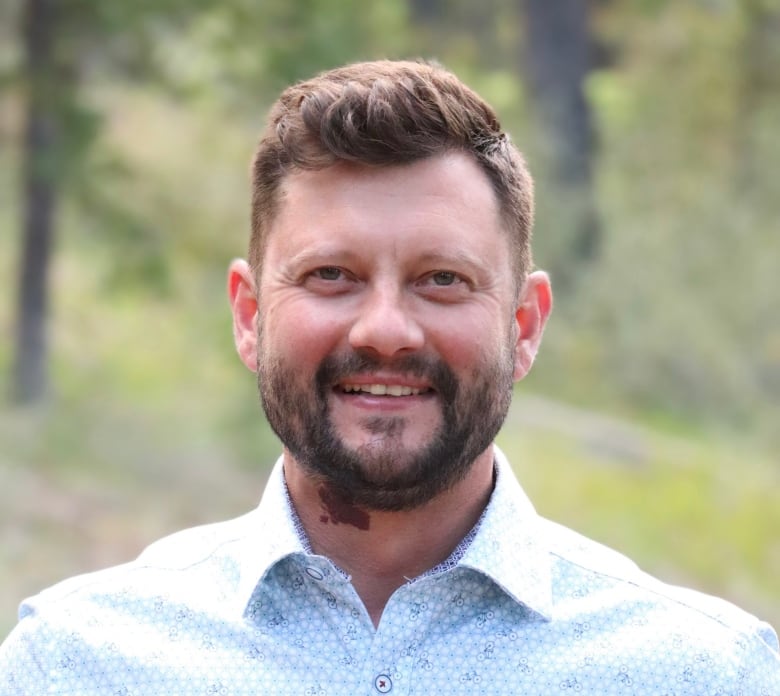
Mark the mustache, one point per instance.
(334, 368)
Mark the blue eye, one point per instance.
(328, 273)
(444, 278)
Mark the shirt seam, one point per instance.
(657, 593)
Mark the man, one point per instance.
(387, 307)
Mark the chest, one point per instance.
(454, 638)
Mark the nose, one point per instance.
(385, 324)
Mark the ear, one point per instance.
(243, 303)
(534, 307)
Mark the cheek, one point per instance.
(298, 332)
(470, 339)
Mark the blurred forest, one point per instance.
(653, 130)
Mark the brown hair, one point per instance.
(387, 113)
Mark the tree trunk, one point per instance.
(758, 97)
(558, 61)
(425, 10)
(30, 377)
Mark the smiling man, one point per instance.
(387, 307)
(384, 321)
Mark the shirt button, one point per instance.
(383, 684)
(314, 573)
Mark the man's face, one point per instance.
(387, 332)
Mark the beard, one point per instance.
(384, 474)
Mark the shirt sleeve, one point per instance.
(759, 672)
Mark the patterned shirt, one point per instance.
(523, 606)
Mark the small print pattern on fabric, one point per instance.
(524, 607)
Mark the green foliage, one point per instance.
(246, 52)
(680, 312)
(154, 425)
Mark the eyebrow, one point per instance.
(330, 254)
(322, 253)
(457, 257)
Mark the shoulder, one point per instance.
(190, 573)
(192, 546)
(582, 565)
(604, 592)
(204, 557)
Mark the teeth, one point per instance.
(382, 389)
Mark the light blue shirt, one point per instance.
(523, 606)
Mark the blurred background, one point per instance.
(653, 130)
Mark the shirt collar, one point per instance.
(273, 534)
(508, 546)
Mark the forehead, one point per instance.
(453, 175)
(443, 199)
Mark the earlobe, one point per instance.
(243, 303)
(533, 310)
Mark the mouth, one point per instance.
(381, 389)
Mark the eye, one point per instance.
(329, 280)
(444, 278)
(444, 286)
(328, 273)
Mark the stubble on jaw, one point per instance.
(383, 474)
(390, 427)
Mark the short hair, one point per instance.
(386, 113)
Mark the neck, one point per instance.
(382, 550)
